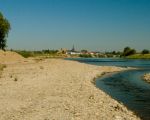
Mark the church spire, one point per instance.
(73, 49)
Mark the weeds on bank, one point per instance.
(2, 66)
(15, 79)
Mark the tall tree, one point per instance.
(128, 51)
(4, 30)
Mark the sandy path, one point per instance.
(56, 90)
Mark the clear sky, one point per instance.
(102, 25)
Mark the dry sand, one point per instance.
(9, 57)
(146, 77)
(56, 89)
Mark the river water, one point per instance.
(127, 86)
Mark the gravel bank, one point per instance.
(57, 90)
(146, 77)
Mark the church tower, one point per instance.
(73, 49)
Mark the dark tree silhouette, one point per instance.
(128, 51)
(145, 51)
(4, 29)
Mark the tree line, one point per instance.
(129, 51)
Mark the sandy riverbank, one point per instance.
(56, 89)
(9, 57)
(146, 77)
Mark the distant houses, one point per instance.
(85, 53)
(69, 52)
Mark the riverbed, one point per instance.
(57, 89)
(126, 87)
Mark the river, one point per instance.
(127, 86)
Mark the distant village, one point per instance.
(86, 53)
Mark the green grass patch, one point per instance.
(43, 53)
(25, 54)
(139, 56)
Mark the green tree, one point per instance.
(114, 52)
(132, 51)
(128, 51)
(125, 51)
(4, 29)
(145, 51)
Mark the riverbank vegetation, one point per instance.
(128, 52)
(42, 53)
(139, 56)
(133, 54)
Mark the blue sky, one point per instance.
(102, 25)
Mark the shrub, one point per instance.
(145, 51)
(85, 55)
